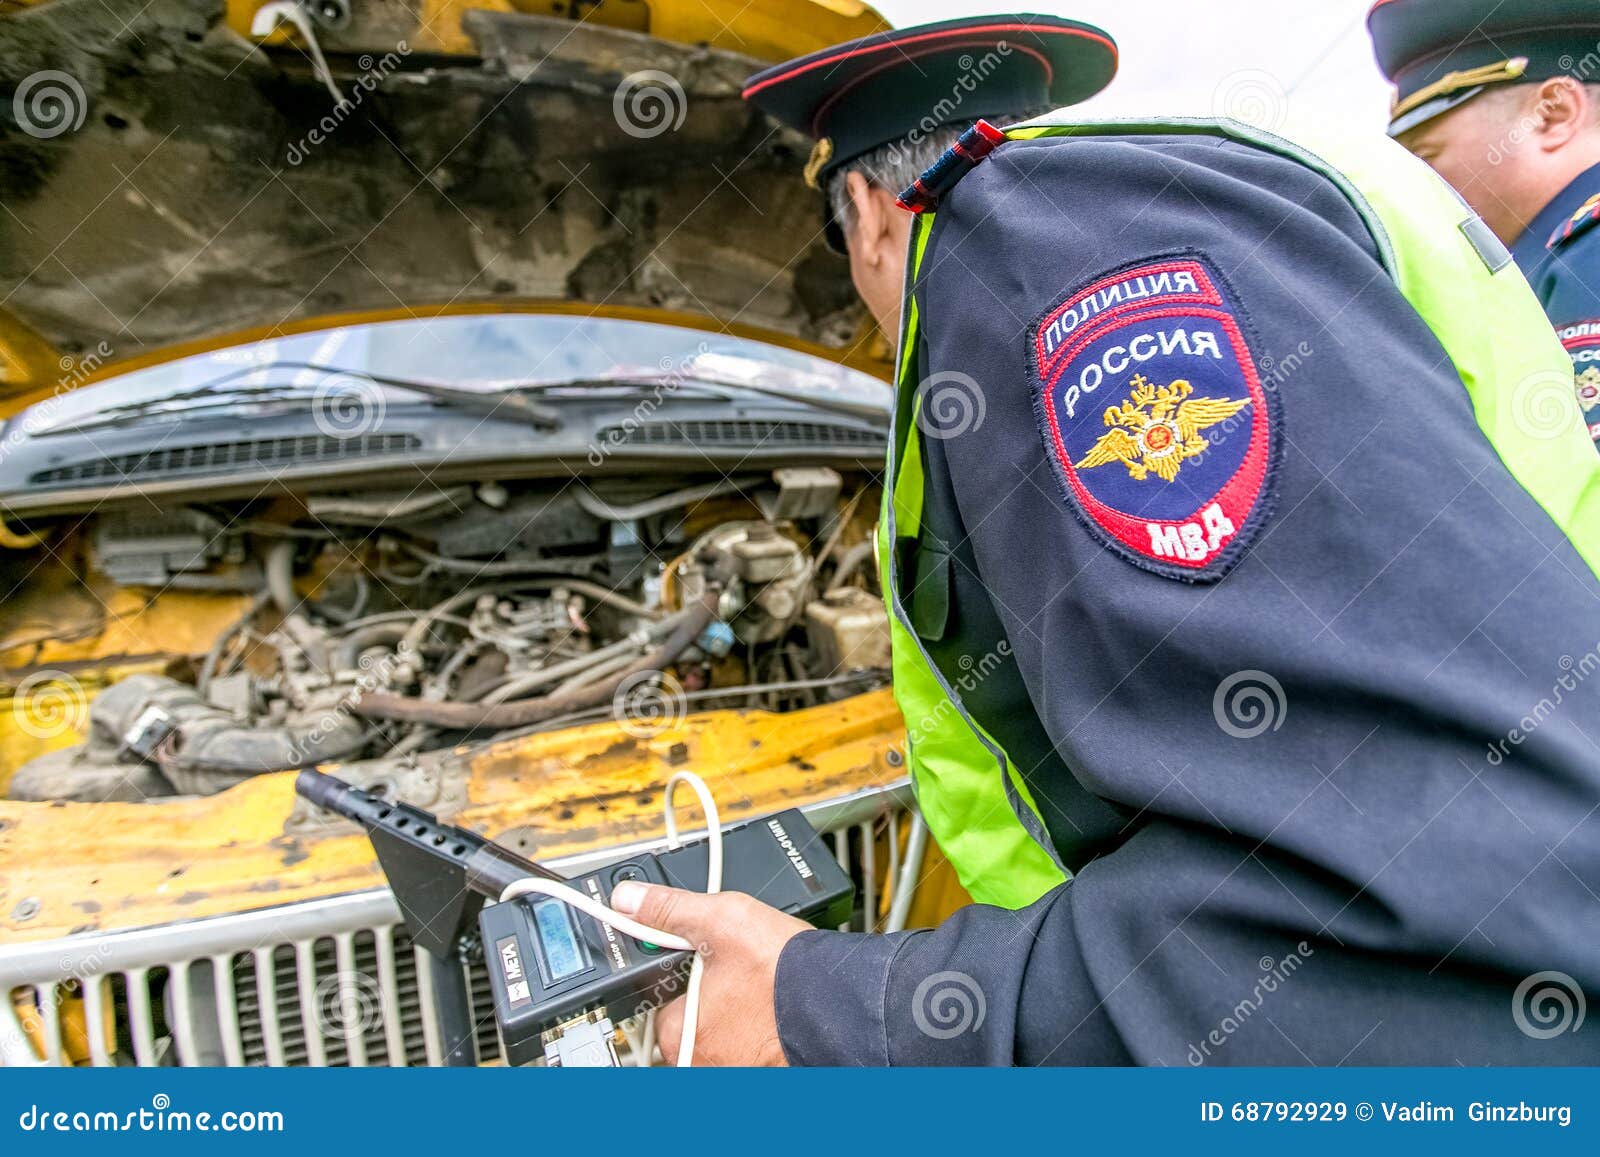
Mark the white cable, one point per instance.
(267, 18)
(691, 1002)
(647, 1041)
(589, 905)
(569, 895)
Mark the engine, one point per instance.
(380, 625)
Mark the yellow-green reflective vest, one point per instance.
(1482, 312)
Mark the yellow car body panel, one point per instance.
(103, 866)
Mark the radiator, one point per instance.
(335, 981)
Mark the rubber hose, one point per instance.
(347, 651)
(849, 563)
(523, 712)
(661, 503)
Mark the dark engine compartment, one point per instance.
(384, 624)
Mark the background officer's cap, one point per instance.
(855, 96)
(1441, 53)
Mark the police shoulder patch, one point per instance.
(1154, 414)
(1581, 340)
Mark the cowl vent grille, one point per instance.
(225, 457)
(739, 432)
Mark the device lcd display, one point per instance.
(558, 938)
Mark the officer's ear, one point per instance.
(1562, 109)
(873, 235)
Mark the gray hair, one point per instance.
(894, 166)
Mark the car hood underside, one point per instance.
(214, 187)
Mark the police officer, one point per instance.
(1225, 578)
(1504, 101)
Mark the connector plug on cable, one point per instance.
(584, 1042)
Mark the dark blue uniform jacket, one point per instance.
(1313, 707)
(1560, 255)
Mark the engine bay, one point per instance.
(373, 625)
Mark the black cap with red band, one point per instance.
(856, 96)
(1442, 53)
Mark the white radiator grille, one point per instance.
(328, 982)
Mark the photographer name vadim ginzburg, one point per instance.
(1492, 1112)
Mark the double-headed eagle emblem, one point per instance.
(1589, 388)
(1158, 429)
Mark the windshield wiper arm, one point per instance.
(503, 406)
(667, 383)
(204, 399)
(494, 404)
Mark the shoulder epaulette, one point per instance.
(1580, 222)
(957, 161)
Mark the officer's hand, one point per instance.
(740, 939)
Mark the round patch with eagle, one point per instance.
(1155, 415)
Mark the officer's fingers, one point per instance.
(669, 1030)
(693, 915)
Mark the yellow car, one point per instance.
(379, 380)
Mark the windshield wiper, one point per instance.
(668, 383)
(514, 401)
(504, 406)
(500, 404)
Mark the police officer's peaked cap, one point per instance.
(853, 97)
(1442, 53)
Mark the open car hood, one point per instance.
(172, 183)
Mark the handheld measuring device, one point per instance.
(559, 976)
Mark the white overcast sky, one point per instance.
(1259, 60)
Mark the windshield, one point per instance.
(478, 352)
